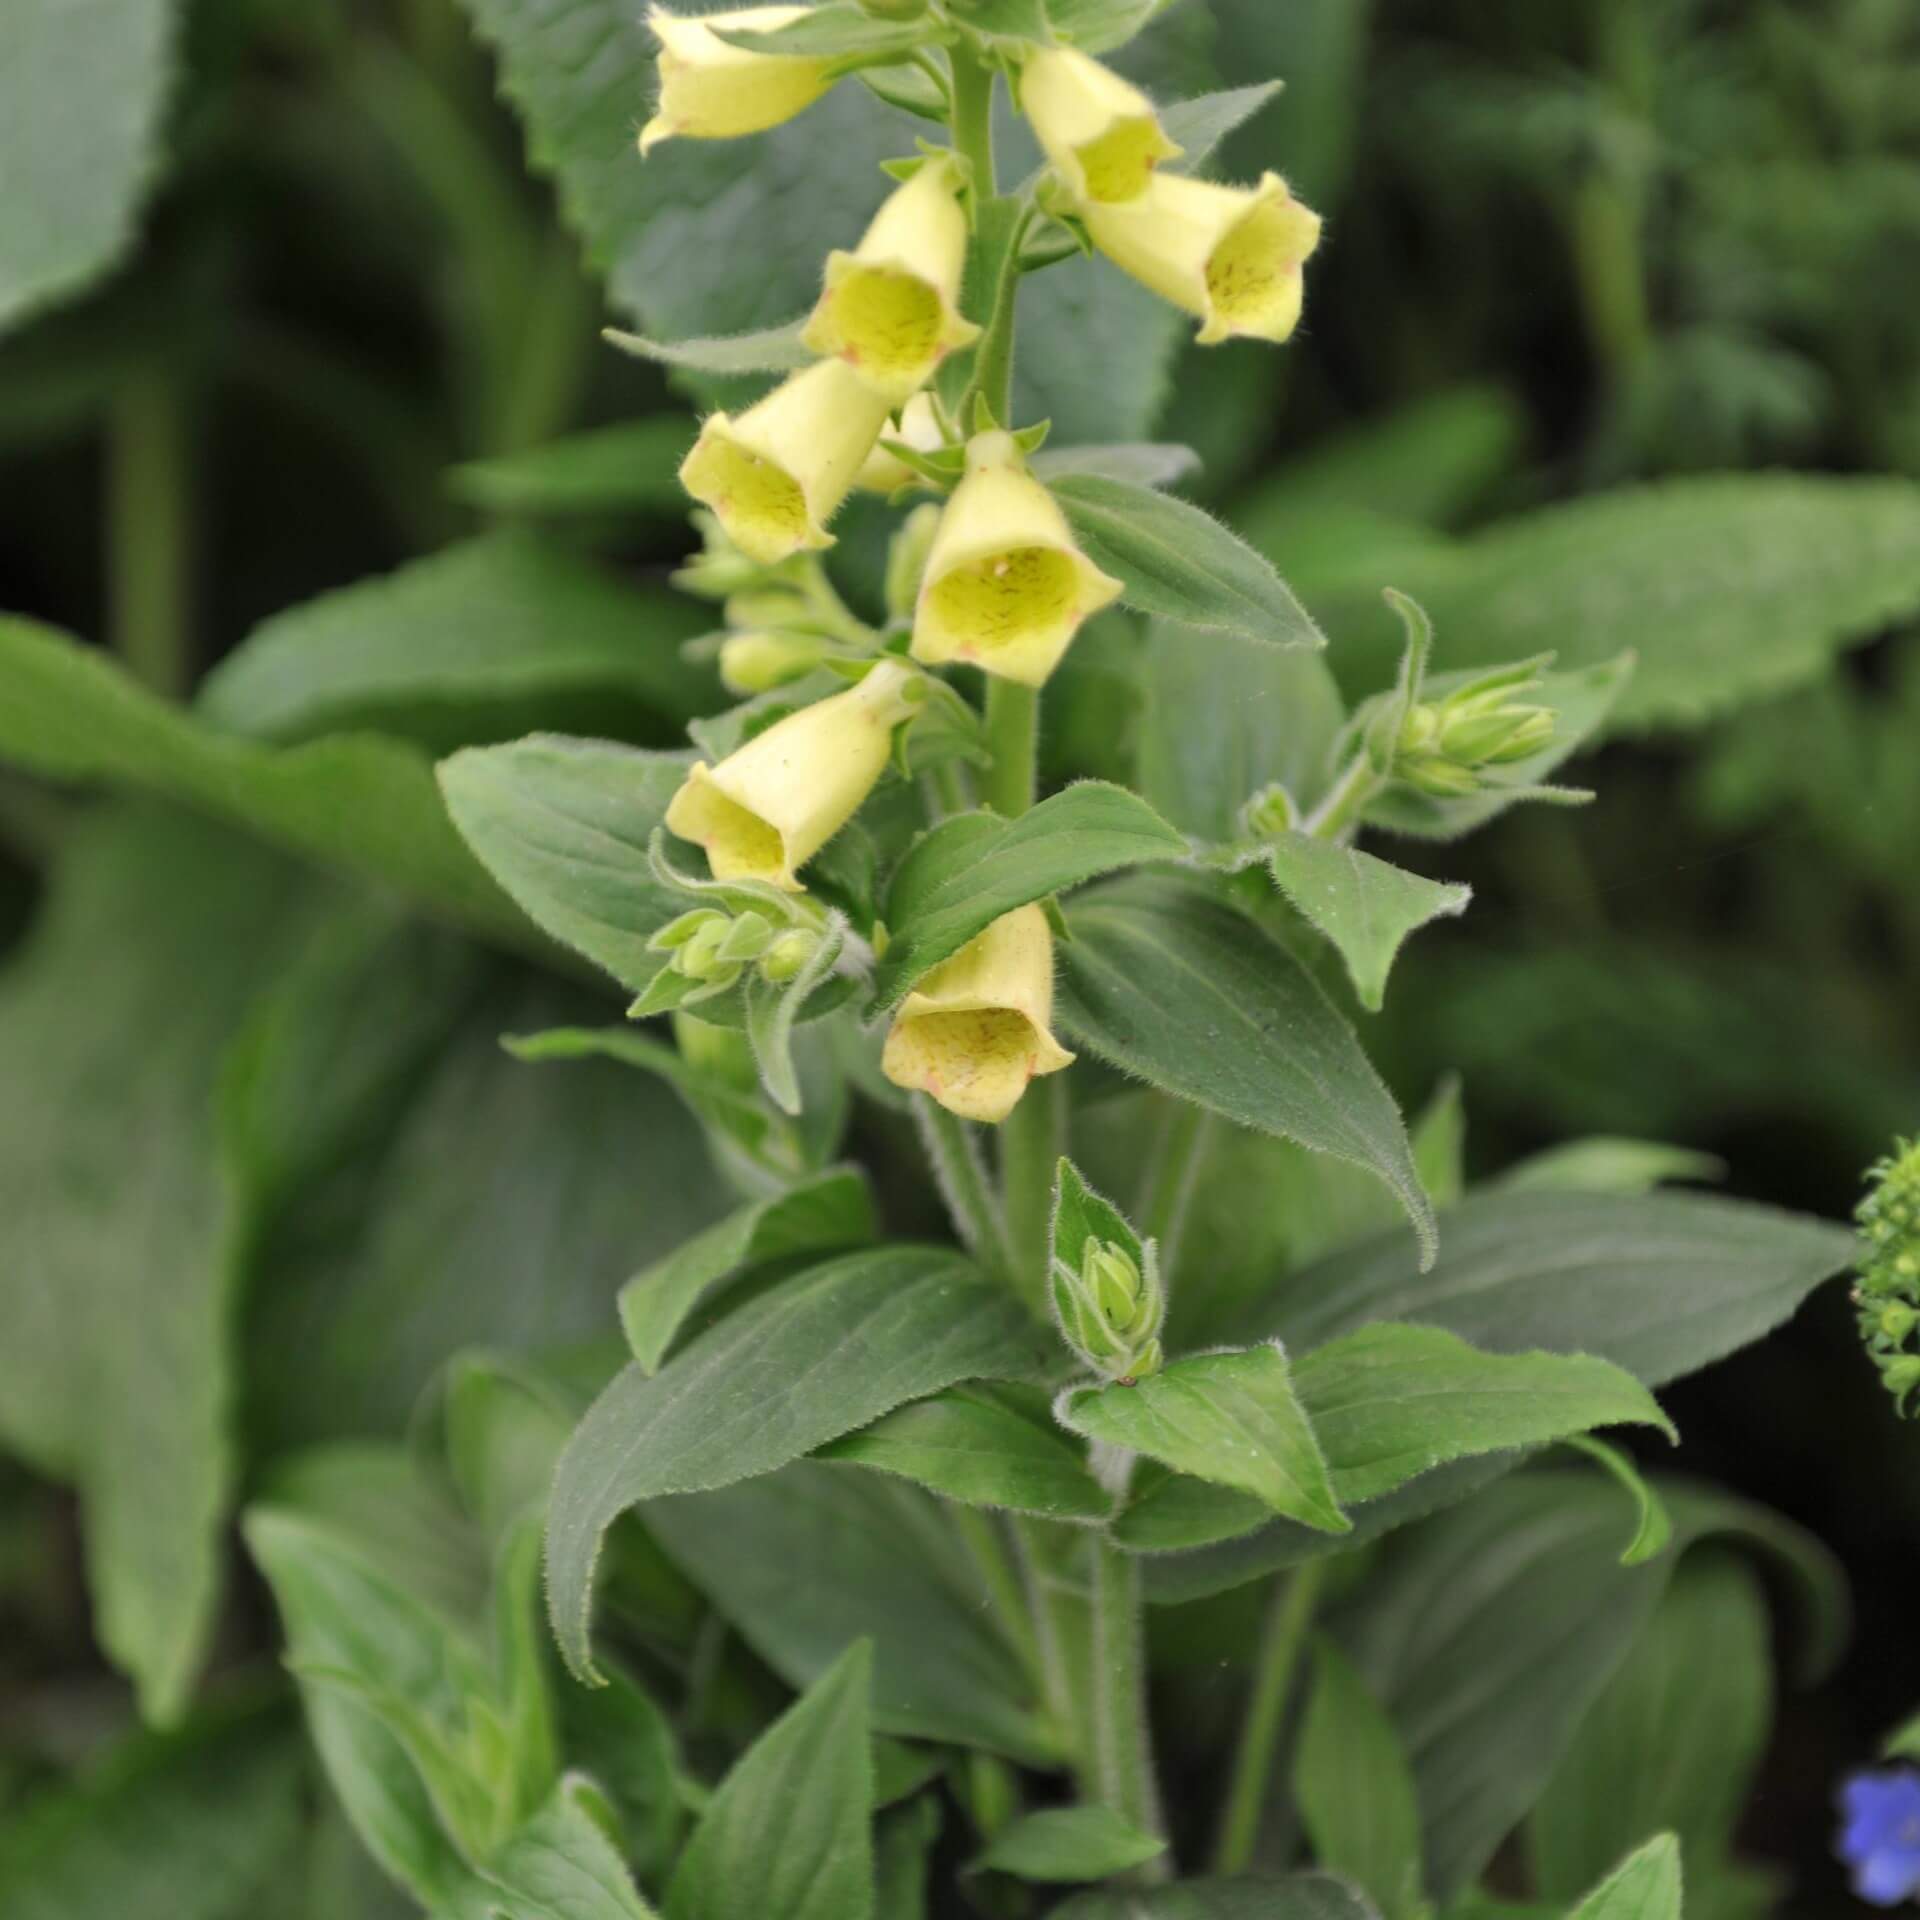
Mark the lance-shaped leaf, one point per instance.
(1645, 1886)
(630, 468)
(966, 873)
(766, 350)
(1232, 1418)
(1068, 1844)
(1365, 906)
(835, 30)
(987, 1445)
(1198, 125)
(1166, 980)
(799, 1366)
(834, 1210)
(1181, 563)
(1142, 463)
(1240, 1896)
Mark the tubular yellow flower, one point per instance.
(890, 308)
(1231, 255)
(1005, 587)
(1100, 132)
(766, 810)
(976, 1029)
(710, 90)
(918, 428)
(778, 473)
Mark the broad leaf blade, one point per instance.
(1068, 1844)
(798, 1367)
(1180, 563)
(1644, 1887)
(965, 874)
(1232, 1418)
(1166, 981)
(631, 468)
(1199, 125)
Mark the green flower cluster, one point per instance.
(1888, 1293)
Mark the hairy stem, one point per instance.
(1288, 1624)
(1121, 1740)
(960, 1172)
(1032, 1139)
(1340, 811)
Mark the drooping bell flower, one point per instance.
(1099, 131)
(713, 90)
(976, 1031)
(1005, 587)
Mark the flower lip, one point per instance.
(739, 843)
(1255, 286)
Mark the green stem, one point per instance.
(1013, 738)
(1288, 1624)
(1007, 1591)
(972, 96)
(1122, 1740)
(1343, 806)
(150, 530)
(960, 1172)
(1174, 1172)
(1059, 1626)
(1032, 1138)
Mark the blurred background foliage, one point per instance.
(1580, 255)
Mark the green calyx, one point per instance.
(1111, 1311)
(1444, 747)
(1887, 1295)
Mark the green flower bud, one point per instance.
(1497, 738)
(1444, 779)
(786, 955)
(1111, 1311)
(758, 662)
(702, 957)
(1888, 1296)
(1270, 813)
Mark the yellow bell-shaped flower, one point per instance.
(1231, 255)
(711, 90)
(776, 475)
(975, 1031)
(1005, 588)
(890, 308)
(919, 428)
(1099, 131)
(767, 809)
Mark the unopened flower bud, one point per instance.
(713, 90)
(791, 951)
(776, 475)
(719, 570)
(1888, 1293)
(1432, 774)
(1006, 587)
(975, 1031)
(1232, 256)
(890, 309)
(1099, 131)
(768, 808)
(700, 958)
(1496, 737)
(907, 559)
(1111, 1312)
(1270, 813)
(753, 663)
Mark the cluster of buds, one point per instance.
(1446, 747)
(1887, 1295)
(711, 951)
(1111, 1311)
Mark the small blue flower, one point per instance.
(1880, 1839)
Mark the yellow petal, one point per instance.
(1100, 133)
(975, 1032)
(712, 90)
(1006, 588)
(919, 428)
(778, 473)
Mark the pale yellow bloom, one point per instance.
(710, 90)
(890, 309)
(1231, 255)
(1005, 588)
(757, 662)
(767, 809)
(918, 428)
(777, 474)
(975, 1031)
(1100, 132)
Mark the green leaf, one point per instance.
(1096, 352)
(1100, 26)
(367, 807)
(766, 350)
(504, 1425)
(789, 1831)
(1487, 1633)
(1222, 720)
(499, 634)
(1673, 1742)
(564, 826)
(1354, 1788)
(1644, 1887)
(1252, 1896)
(1179, 562)
(1232, 1418)
(834, 1210)
(1652, 1523)
(797, 1367)
(1068, 1843)
(807, 1560)
(82, 94)
(122, 1223)
(969, 871)
(195, 1825)
(1661, 1285)
(1603, 1165)
(1367, 907)
(631, 468)
(1730, 587)
(1140, 463)
(903, 1844)
(1389, 1402)
(1080, 1215)
(1166, 981)
(559, 1866)
(834, 29)
(986, 1446)
(1199, 125)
